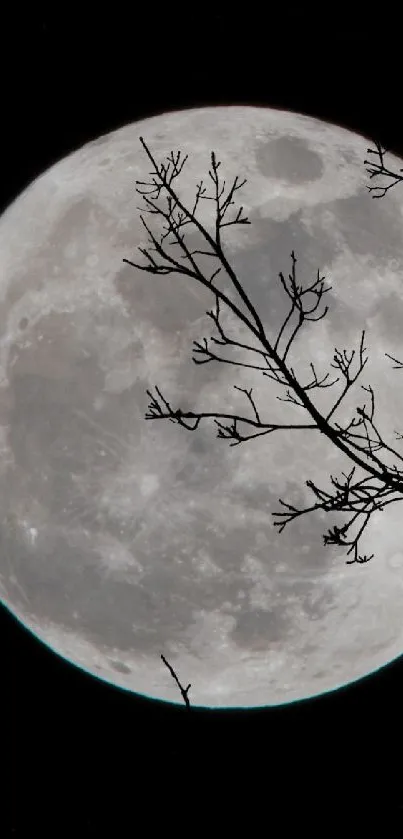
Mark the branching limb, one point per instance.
(184, 691)
(222, 204)
(343, 362)
(377, 168)
(359, 440)
(371, 444)
(156, 410)
(269, 370)
(224, 340)
(177, 216)
(296, 294)
(362, 499)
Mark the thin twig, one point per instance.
(184, 691)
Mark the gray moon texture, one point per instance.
(121, 538)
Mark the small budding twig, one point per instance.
(184, 691)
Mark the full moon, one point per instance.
(123, 539)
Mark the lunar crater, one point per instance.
(290, 159)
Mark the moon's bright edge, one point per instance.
(121, 538)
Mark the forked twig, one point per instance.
(184, 691)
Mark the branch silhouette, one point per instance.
(359, 440)
(184, 691)
(377, 168)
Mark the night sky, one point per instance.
(82, 754)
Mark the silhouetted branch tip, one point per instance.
(184, 691)
(399, 364)
(378, 169)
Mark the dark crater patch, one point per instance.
(389, 318)
(320, 674)
(290, 159)
(256, 629)
(367, 227)
(120, 667)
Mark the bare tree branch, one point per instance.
(361, 498)
(377, 169)
(184, 691)
(359, 440)
(155, 411)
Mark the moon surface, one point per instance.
(122, 538)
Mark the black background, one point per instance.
(84, 758)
